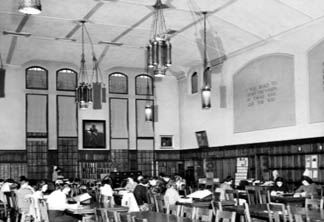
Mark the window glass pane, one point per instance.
(118, 83)
(66, 80)
(194, 83)
(144, 85)
(36, 78)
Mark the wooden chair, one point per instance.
(159, 203)
(43, 211)
(276, 212)
(253, 196)
(187, 212)
(102, 215)
(136, 219)
(216, 205)
(151, 200)
(173, 209)
(247, 214)
(314, 203)
(225, 216)
(124, 217)
(13, 211)
(264, 196)
(232, 195)
(295, 214)
(203, 214)
(112, 215)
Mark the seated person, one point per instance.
(106, 193)
(307, 189)
(280, 187)
(58, 203)
(226, 185)
(131, 184)
(171, 195)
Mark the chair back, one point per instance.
(173, 209)
(313, 203)
(159, 203)
(247, 213)
(276, 212)
(264, 196)
(151, 200)
(232, 195)
(295, 214)
(203, 214)
(225, 216)
(216, 205)
(124, 217)
(43, 210)
(136, 219)
(187, 211)
(102, 215)
(112, 215)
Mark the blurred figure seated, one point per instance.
(280, 187)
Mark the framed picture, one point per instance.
(94, 134)
(166, 141)
(202, 138)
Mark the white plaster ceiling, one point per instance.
(232, 26)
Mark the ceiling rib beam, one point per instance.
(14, 39)
(86, 17)
(105, 50)
(295, 9)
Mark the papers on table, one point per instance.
(200, 194)
(82, 197)
(185, 200)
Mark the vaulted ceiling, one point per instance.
(125, 26)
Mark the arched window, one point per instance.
(36, 78)
(144, 85)
(194, 83)
(66, 80)
(118, 83)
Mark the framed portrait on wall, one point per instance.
(94, 134)
(166, 141)
(201, 137)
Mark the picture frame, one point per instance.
(94, 133)
(202, 140)
(166, 141)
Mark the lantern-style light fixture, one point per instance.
(159, 47)
(206, 89)
(84, 89)
(31, 7)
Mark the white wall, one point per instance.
(218, 122)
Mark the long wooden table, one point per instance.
(260, 211)
(160, 217)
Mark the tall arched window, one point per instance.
(118, 83)
(194, 83)
(36, 78)
(144, 85)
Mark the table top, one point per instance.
(160, 217)
(91, 209)
(260, 211)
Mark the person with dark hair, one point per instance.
(280, 187)
(140, 193)
(308, 188)
(23, 194)
(226, 185)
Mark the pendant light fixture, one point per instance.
(31, 7)
(206, 89)
(84, 90)
(159, 47)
